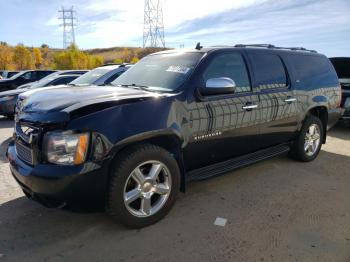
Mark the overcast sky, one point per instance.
(323, 25)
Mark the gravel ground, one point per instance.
(277, 210)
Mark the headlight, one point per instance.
(66, 148)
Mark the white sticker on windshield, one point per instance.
(178, 69)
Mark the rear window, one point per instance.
(269, 71)
(313, 71)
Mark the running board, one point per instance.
(235, 163)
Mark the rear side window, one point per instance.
(269, 71)
(313, 71)
(229, 65)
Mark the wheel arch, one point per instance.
(320, 112)
(166, 139)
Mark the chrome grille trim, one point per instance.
(24, 153)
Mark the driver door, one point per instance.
(223, 126)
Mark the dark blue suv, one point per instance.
(174, 117)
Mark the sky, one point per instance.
(322, 25)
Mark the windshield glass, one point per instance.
(90, 77)
(18, 74)
(160, 72)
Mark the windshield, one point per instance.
(160, 72)
(44, 81)
(90, 77)
(18, 74)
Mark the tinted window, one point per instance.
(313, 71)
(90, 77)
(29, 75)
(113, 77)
(230, 65)
(269, 71)
(63, 80)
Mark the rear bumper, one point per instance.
(54, 185)
(333, 116)
(346, 108)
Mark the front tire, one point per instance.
(309, 142)
(145, 181)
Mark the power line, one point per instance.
(68, 24)
(153, 27)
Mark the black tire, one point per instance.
(125, 163)
(298, 152)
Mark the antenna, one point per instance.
(198, 46)
(68, 24)
(153, 27)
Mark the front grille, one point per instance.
(25, 153)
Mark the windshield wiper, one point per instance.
(145, 88)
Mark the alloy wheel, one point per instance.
(147, 188)
(312, 140)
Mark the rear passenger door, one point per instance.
(278, 102)
(223, 126)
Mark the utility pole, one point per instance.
(153, 27)
(68, 24)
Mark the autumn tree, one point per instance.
(134, 60)
(38, 60)
(118, 61)
(6, 57)
(73, 58)
(22, 58)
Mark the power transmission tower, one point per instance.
(153, 27)
(68, 24)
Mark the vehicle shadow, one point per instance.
(3, 149)
(293, 190)
(341, 130)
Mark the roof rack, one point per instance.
(277, 47)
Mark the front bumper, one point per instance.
(54, 185)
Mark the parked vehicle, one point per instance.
(342, 67)
(63, 72)
(174, 117)
(100, 76)
(8, 99)
(7, 74)
(23, 78)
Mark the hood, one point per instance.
(64, 100)
(12, 92)
(5, 81)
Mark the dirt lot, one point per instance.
(277, 210)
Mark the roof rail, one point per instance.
(110, 64)
(277, 47)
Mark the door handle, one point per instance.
(249, 107)
(290, 100)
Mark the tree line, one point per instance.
(20, 57)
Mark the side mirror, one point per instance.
(219, 86)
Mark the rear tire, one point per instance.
(144, 184)
(309, 142)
